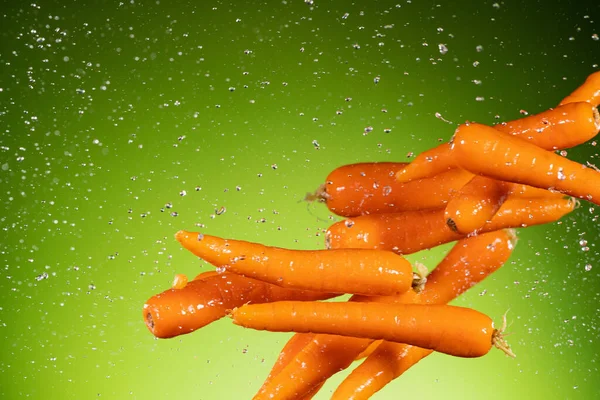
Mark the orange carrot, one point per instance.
(428, 163)
(412, 231)
(287, 354)
(369, 188)
(562, 127)
(369, 350)
(484, 151)
(328, 354)
(469, 262)
(589, 91)
(529, 192)
(475, 204)
(294, 345)
(457, 331)
(179, 311)
(362, 271)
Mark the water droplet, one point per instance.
(588, 267)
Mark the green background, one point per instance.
(109, 110)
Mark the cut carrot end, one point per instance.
(596, 118)
(149, 322)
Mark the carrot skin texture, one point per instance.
(412, 231)
(371, 188)
(292, 347)
(484, 151)
(457, 331)
(176, 312)
(428, 163)
(363, 271)
(589, 91)
(563, 127)
(480, 256)
(475, 204)
(329, 354)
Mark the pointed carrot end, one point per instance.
(182, 236)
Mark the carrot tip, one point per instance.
(181, 235)
(512, 237)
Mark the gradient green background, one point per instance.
(109, 110)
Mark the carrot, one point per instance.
(427, 164)
(475, 204)
(205, 274)
(179, 281)
(530, 192)
(484, 151)
(412, 231)
(179, 311)
(563, 127)
(387, 362)
(589, 91)
(369, 350)
(369, 188)
(322, 357)
(362, 271)
(328, 354)
(457, 331)
(287, 354)
(467, 263)
(294, 345)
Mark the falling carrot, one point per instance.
(563, 127)
(468, 262)
(370, 188)
(475, 204)
(180, 311)
(457, 331)
(387, 362)
(428, 163)
(589, 91)
(412, 231)
(361, 271)
(326, 355)
(369, 350)
(287, 354)
(485, 151)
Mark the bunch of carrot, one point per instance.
(473, 191)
